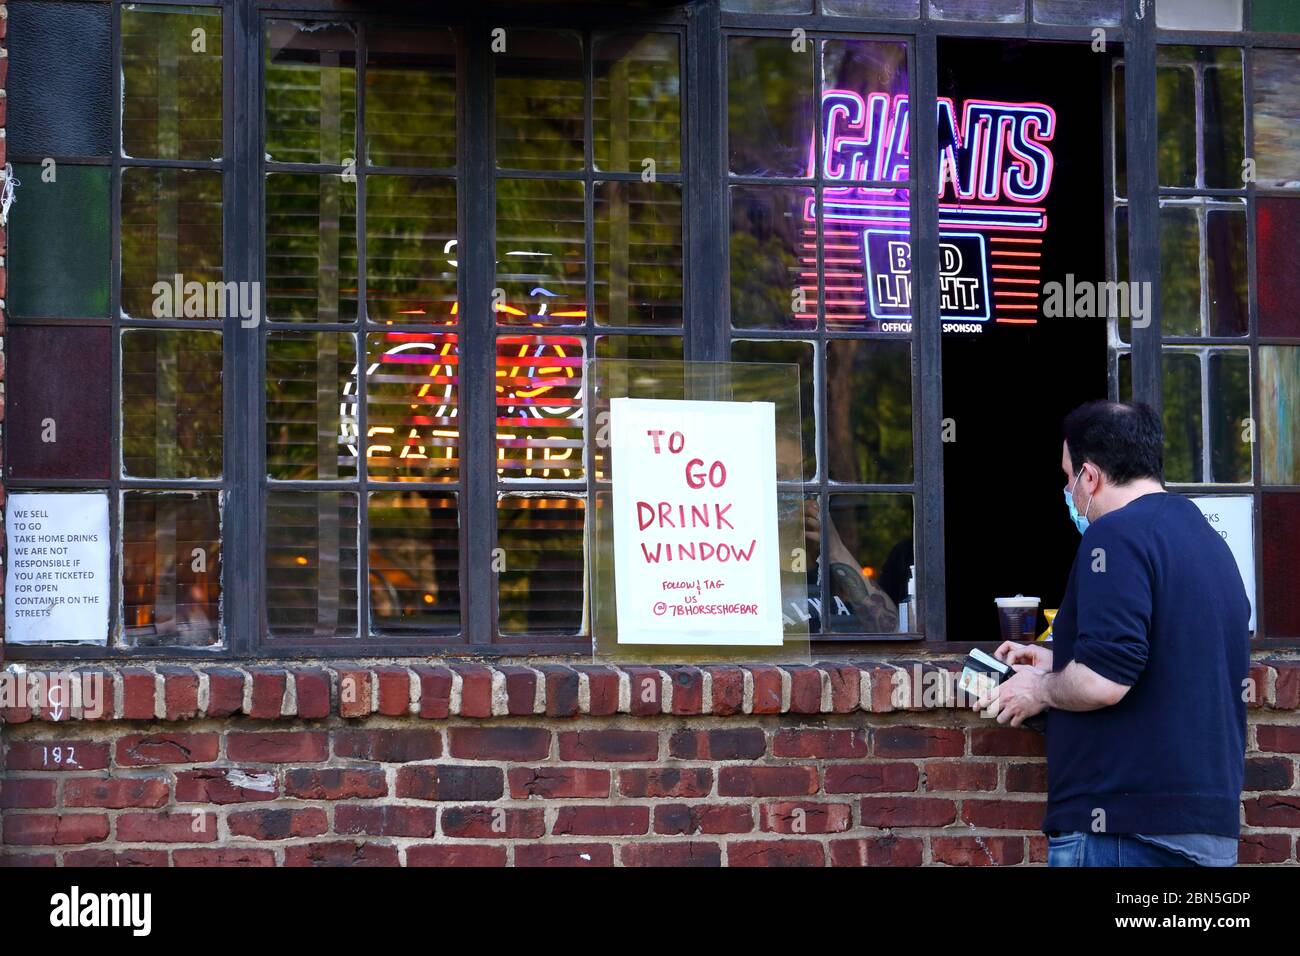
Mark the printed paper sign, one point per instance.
(696, 556)
(1233, 517)
(56, 586)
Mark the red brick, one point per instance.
(1037, 848)
(907, 812)
(877, 851)
(823, 744)
(1007, 742)
(879, 777)
(394, 690)
(224, 785)
(775, 853)
(138, 691)
(116, 793)
(604, 820)
(609, 745)
(150, 750)
(341, 853)
(767, 688)
(1286, 685)
(225, 691)
(805, 689)
(602, 689)
(356, 692)
(562, 687)
(558, 782)
(492, 823)
(388, 746)
(738, 743)
(977, 851)
(450, 782)
(941, 775)
(64, 755)
(683, 819)
(1273, 810)
(331, 783)
(918, 742)
(647, 696)
(846, 687)
(1264, 848)
(475, 689)
(285, 746)
(521, 689)
(180, 693)
(385, 820)
(884, 682)
(500, 743)
(223, 856)
(52, 829)
(455, 854)
(435, 691)
(26, 794)
(564, 854)
(312, 692)
(767, 781)
(728, 689)
(805, 816)
(278, 824)
(693, 853)
(1004, 814)
(269, 686)
(1268, 773)
(180, 826)
(110, 859)
(665, 782)
(8, 859)
(1277, 739)
(688, 689)
(1027, 778)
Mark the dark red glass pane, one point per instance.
(1277, 223)
(58, 402)
(1280, 525)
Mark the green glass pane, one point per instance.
(59, 242)
(1279, 396)
(171, 79)
(1276, 86)
(311, 92)
(1276, 16)
(1180, 272)
(636, 101)
(1229, 413)
(1182, 413)
(311, 247)
(172, 226)
(1176, 125)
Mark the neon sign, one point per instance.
(995, 170)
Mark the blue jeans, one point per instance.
(1106, 849)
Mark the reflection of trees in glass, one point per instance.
(638, 253)
(869, 411)
(541, 590)
(636, 101)
(1229, 408)
(769, 106)
(311, 247)
(1176, 122)
(311, 92)
(171, 403)
(171, 223)
(169, 596)
(410, 97)
(765, 239)
(171, 97)
(539, 101)
(1180, 271)
(1182, 414)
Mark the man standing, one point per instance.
(1147, 675)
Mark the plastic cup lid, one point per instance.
(1018, 601)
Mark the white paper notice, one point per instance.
(56, 586)
(696, 555)
(1233, 516)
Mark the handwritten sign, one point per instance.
(696, 558)
(1233, 517)
(56, 586)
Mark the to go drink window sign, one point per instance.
(696, 555)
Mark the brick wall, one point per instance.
(553, 765)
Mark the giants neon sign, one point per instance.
(995, 170)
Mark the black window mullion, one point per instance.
(116, 630)
(707, 328)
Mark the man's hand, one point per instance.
(1017, 698)
(1035, 655)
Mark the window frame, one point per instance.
(703, 29)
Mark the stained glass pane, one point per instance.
(1280, 527)
(1198, 14)
(1277, 232)
(1279, 395)
(1000, 11)
(1276, 85)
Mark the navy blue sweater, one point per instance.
(1154, 602)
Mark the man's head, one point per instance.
(1110, 449)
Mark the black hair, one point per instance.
(1124, 439)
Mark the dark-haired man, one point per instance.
(1146, 679)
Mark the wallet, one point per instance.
(980, 671)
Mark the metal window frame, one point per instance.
(707, 333)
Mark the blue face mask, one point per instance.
(1080, 520)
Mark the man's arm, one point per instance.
(1078, 687)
